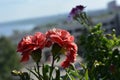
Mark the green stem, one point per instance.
(52, 67)
(38, 71)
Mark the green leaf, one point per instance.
(26, 76)
(58, 58)
(83, 66)
(72, 66)
(76, 74)
(115, 52)
(45, 71)
(70, 77)
(86, 75)
(57, 74)
(35, 74)
(96, 28)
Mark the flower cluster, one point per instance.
(75, 11)
(35, 43)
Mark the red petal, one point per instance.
(25, 57)
(65, 64)
(56, 39)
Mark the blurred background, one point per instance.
(23, 17)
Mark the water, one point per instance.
(7, 30)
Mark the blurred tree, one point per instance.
(8, 58)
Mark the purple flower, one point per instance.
(75, 11)
(72, 14)
(80, 8)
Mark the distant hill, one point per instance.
(36, 21)
(48, 19)
(97, 12)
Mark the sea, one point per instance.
(6, 29)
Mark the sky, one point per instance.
(11, 10)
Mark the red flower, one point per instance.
(29, 44)
(70, 55)
(66, 41)
(59, 36)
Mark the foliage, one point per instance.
(100, 50)
(101, 53)
(8, 58)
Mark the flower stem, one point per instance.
(52, 67)
(38, 71)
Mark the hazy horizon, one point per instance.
(24, 9)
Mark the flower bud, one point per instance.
(56, 49)
(36, 55)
